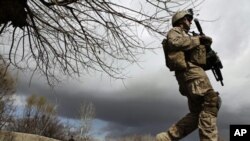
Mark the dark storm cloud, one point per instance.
(143, 104)
(146, 106)
(148, 95)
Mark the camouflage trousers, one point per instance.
(205, 122)
(205, 119)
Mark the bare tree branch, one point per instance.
(81, 36)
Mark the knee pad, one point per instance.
(212, 103)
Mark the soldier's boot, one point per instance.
(163, 137)
(208, 117)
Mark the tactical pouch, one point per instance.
(198, 55)
(175, 60)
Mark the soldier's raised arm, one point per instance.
(177, 41)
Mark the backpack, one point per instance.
(175, 60)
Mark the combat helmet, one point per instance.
(181, 14)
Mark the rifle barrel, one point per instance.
(197, 23)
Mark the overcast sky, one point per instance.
(149, 102)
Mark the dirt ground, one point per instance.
(14, 136)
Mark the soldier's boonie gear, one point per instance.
(179, 15)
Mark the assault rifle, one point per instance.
(213, 60)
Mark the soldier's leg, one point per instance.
(208, 117)
(186, 125)
(179, 130)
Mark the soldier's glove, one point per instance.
(205, 40)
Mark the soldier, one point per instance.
(186, 56)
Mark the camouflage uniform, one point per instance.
(193, 82)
